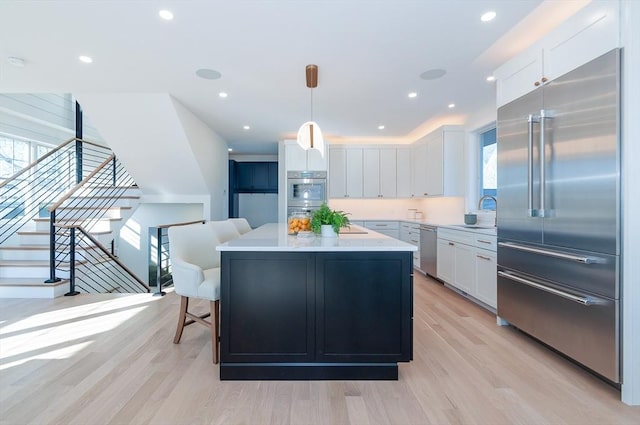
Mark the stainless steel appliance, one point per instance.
(559, 214)
(306, 190)
(428, 249)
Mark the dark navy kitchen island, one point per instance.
(321, 309)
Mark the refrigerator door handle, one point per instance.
(580, 300)
(544, 115)
(532, 119)
(548, 253)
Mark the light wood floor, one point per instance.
(110, 359)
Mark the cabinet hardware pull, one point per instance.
(544, 79)
(451, 243)
(481, 241)
(483, 257)
(537, 83)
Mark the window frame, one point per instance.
(486, 136)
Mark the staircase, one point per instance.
(93, 210)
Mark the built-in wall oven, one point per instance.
(306, 190)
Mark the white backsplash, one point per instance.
(436, 210)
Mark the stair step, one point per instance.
(20, 287)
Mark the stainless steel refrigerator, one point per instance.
(559, 214)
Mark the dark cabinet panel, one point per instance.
(267, 308)
(256, 177)
(363, 307)
(314, 315)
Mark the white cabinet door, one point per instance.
(446, 260)
(420, 169)
(371, 173)
(337, 173)
(592, 32)
(435, 165)
(316, 161)
(295, 157)
(486, 282)
(354, 173)
(404, 188)
(464, 268)
(387, 173)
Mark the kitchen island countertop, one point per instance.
(273, 237)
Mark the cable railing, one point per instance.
(86, 206)
(159, 258)
(93, 269)
(28, 193)
(76, 185)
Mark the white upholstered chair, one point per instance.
(195, 266)
(241, 224)
(225, 230)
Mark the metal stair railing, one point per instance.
(84, 206)
(93, 269)
(25, 194)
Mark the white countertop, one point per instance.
(471, 228)
(273, 237)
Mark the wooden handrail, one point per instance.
(36, 162)
(82, 183)
(165, 226)
(45, 156)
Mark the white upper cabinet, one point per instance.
(379, 172)
(404, 187)
(590, 33)
(298, 159)
(345, 172)
(438, 163)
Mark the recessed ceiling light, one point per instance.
(433, 74)
(208, 74)
(223, 94)
(19, 62)
(85, 59)
(381, 127)
(230, 150)
(246, 127)
(488, 16)
(452, 105)
(166, 14)
(491, 78)
(412, 94)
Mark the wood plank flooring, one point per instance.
(109, 359)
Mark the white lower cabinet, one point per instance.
(486, 263)
(468, 262)
(389, 228)
(410, 233)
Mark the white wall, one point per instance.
(630, 202)
(43, 117)
(132, 242)
(211, 154)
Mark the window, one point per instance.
(488, 167)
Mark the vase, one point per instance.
(326, 231)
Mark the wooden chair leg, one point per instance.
(184, 304)
(215, 325)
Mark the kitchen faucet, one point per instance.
(494, 200)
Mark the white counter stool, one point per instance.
(195, 265)
(241, 224)
(225, 230)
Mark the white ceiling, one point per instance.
(370, 55)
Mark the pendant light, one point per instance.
(310, 135)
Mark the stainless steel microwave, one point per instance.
(306, 188)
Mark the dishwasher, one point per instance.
(428, 249)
